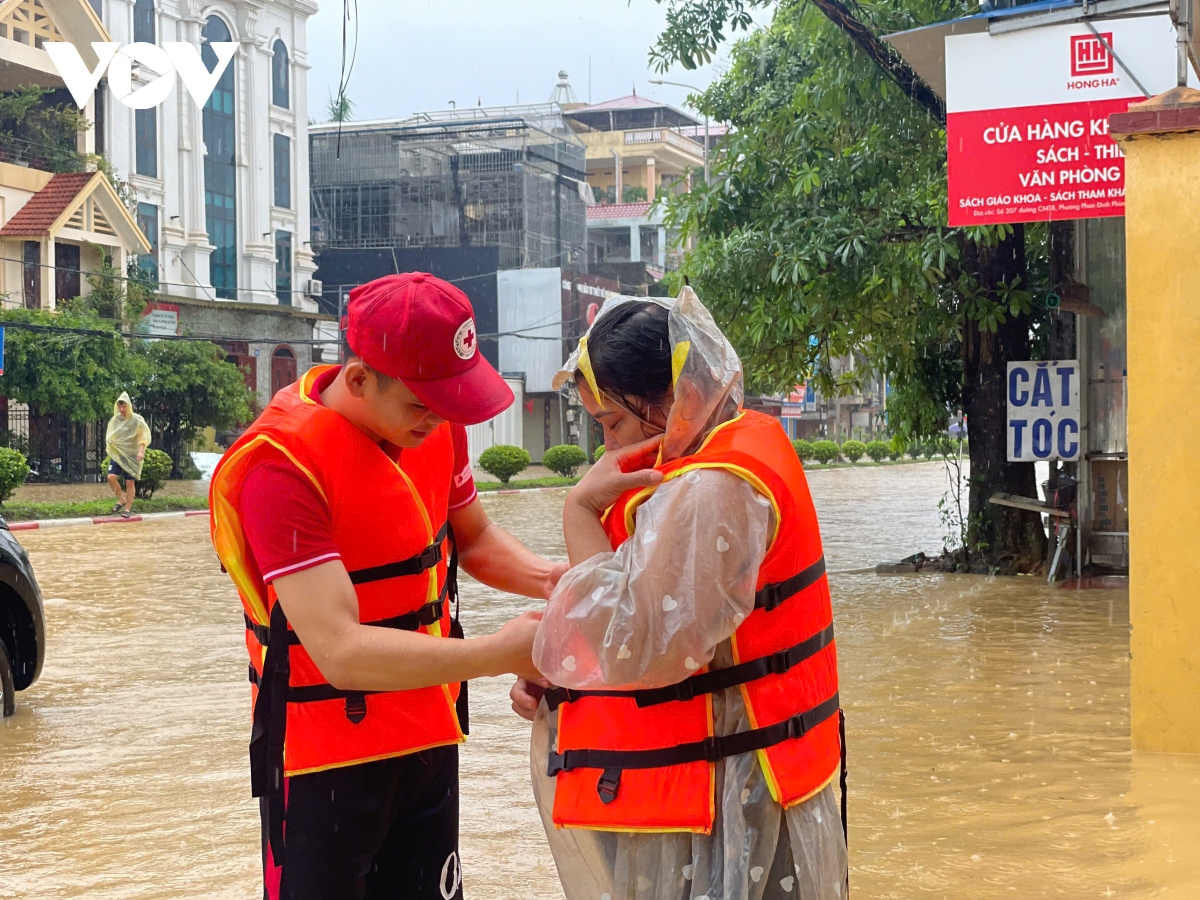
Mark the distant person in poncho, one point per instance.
(128, 437)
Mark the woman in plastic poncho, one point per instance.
(655, 613)
(127, 438)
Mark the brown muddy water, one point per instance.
(988, 725)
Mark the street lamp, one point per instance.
(691, 87)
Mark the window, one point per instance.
(147, 219)
(143, 21)
(145, 126)
(97, 8)
(283, 267)
(283, 171)
(220, 170)
(66, 271)
(33, 275)
(280, 81)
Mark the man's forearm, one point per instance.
(499, 560)
(367, 658)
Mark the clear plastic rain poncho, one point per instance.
(697, 546)
(125, 437)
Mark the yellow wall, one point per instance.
(1162, 233)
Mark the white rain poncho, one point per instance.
(125, 436)
(757, 850)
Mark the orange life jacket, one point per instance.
(390, 526)
(645, 760)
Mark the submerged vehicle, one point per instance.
(22, 623)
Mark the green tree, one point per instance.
(73, 374)
(823, 233)
(184, 386)
(339, 109)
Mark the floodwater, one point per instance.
(988, 725)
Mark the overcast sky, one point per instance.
(418, 55)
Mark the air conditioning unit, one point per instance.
(315, 288)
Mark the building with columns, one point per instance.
(221, 191)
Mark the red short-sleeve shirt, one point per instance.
(288, 525)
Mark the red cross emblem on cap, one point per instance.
(464, 339)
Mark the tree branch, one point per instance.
(886, 57)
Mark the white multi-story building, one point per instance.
(222, 192)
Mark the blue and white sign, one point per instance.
(1043, 411)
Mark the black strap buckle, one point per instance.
(797, 726)
(607, 786)
(685, 690)
(779, 663)
(556, 763)
(356, 706)
(712, 749)
(770, 596)
(430, 556)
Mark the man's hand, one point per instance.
(141, 454)
(514, 645)
(322, 607)
(526, 695)
(557, 572)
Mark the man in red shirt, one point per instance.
(325, 515)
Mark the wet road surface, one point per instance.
(988, 725)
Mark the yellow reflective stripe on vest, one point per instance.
(231, 539)
(641, 496)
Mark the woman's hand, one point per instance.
(617, 472)
(526, 695)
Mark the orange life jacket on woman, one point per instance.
(645, 760)
(390, 526)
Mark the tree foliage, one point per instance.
(823, 230)
(184, 386)
(76, 375)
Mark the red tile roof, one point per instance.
(43, 208)
(619, 211)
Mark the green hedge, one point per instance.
(825, 452)
(564, 459)
(878, 450)
(504, 461)
(853, 450)
(14, 469)
(803, 448)
(24, 512)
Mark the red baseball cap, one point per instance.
(421, 330)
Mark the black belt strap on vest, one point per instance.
(770, 596)
(270, 726)
(414, 565)
(450, 589)
(712, 749)
(274, 691)
(842, 779)
(709, 682)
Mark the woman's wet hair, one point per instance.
(630, 350)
